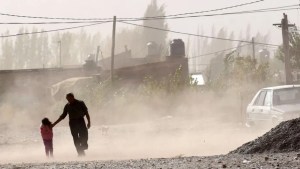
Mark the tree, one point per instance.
(294, 49)
(217, 64)
(54, 47)
(33, 57)
(26, 50)
(19, 50)
(153, 35)
(43, 50)
(67, 44)
(7, 52)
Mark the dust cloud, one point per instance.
(189, 123)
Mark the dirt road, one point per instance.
(167, 138)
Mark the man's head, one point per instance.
(70, 97)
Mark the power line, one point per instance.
(52, 18)
(213, 10)
(213, 53)
(67, 18)
(202, 36)
(182, 17)
(225, 50)
(275, 9)
(45, 23)
(53, 30)
(176, 16)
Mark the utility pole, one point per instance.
(97, 55)
(60, 63)
(113, 49)
(253, 48)
(285, 36)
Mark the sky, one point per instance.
(260, 22)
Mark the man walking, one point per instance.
(76, 110)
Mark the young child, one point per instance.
(47, 135)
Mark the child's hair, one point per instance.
(46, 122)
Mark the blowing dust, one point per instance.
(189, 123)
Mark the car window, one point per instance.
(260, 99)
(268, 98)
(286, 96)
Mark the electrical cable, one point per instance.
(65, 18)
(213, 53)
(202, 36)
(274, 9)
(53, 30)
(46, 23)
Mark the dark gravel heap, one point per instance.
(282, 139)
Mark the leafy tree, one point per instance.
(43, 50)
(19, 50)
(54, 47)
(26, 50)
(7, 52)
(67, 42)
(33, 58)
(153, 35)
(294, 50)
(245, 69)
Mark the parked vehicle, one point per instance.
(274, 104)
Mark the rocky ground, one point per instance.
(261, 161)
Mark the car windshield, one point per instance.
(286, 96)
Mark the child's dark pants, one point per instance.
(48, 147)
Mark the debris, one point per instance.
(246, 161)
(283, 138)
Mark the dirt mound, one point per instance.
(283, 138)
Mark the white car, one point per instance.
(274, 104)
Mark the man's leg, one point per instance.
(75, 134)
(83, 135)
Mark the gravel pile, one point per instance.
(283, 138)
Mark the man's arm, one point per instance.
(86, 112)
(61, 117)
(57, 121)
(89, 120)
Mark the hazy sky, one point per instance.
(135, 8)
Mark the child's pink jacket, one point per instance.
(46, 132)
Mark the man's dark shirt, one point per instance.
(76, 110)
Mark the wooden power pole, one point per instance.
(253, 48)
(285, 37)
(113, 49)
(97, 55)
(60, 59)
